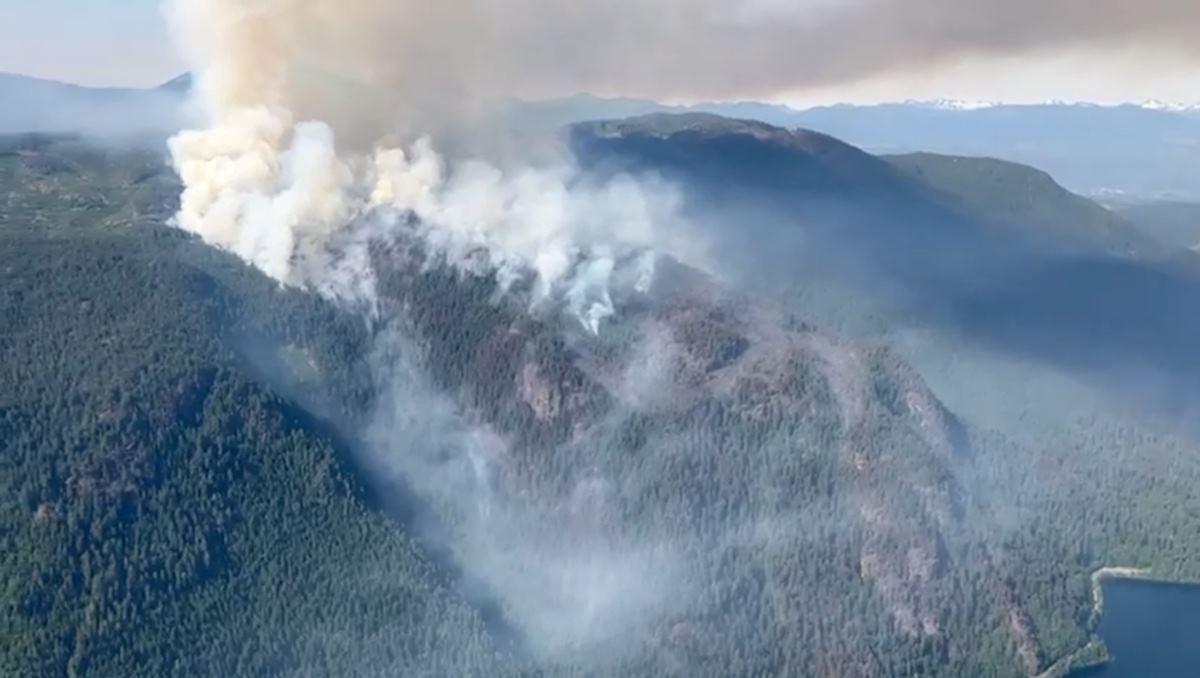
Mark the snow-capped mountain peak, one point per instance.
(955, 104)
(1158, 105)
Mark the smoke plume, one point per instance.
(316, 146)
(322, 111)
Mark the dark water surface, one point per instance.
(1152, 630)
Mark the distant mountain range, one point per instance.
(1128, 153)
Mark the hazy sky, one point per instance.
(93, 42)
(127, 42)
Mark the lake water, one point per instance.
(1152, 630)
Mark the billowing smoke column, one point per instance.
(268, 181)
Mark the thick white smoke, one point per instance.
(277, 189)
(280, 196)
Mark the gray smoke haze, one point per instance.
(576, 584)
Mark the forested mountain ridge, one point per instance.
(1021, 197)
(925, 194)
(210, 475)
(1150, 159)
(996, 255)
(1174, 224)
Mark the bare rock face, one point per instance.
(1025, 637)
(542, 396)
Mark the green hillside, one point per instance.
(205, 474)
(162, 511)
(1174, 224)
(1020, 197)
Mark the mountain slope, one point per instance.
(174, 454)
(164, 512)
(806, 469)
(1021, 197)
(864, 245)
(1139, 152)
(1173, 224)
(210, 475)
(1094, 149)
(774, 200)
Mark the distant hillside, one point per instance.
(916, 240)
(753, 153)
(1027, 199)
(584, 107)
(34, 105)
(1174, 224)
(1091, 149)
(1140, 151)
(920, 218)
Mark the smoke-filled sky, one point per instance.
(797, 51)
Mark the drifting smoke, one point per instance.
(573, 583)
(433, 60)
(268, 181)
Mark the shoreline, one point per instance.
(1095, 652)
(1108, 573)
